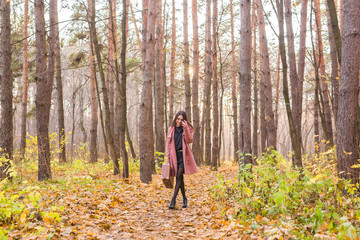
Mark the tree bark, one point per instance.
(197, 148)
(25, 78)
(109, 134)
(256, 94)
(145, 6)
(6, 128)
(94, 109)
(215, 133)
(297, 161)
(334, 69)
(335, 27)
(270, 122)
(348, 139)
(146, 143)
(172, 66)
(187, 63)
(245, 79)
(43, 93)
(324, 86)
(234, 91)
(159, 91)
(207, 85)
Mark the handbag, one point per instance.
(166, 175)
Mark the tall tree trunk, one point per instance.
(197, 148)
(207, 85)
(59, 88)
(277, 91)
(146, 127)
(43, 91)
(270, 122)
(109, 134)
(187, 63)
(94, 110)
(334, 69)
(25, 78)
(348, 139)
(234, 91)
(245, 78)
(297, 161)
(335, 27)
(294, 80)
(215, 133)
(324, 85)
(302, 52)
(262, 108)
(145, 6)
(81, 122)
(172, 66)
(6, 128)
(255, 116)
(159, 91)
(123, 105)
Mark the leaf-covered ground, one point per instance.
(106, 207)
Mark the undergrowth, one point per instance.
(306, 204)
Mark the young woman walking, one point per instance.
(179, 154)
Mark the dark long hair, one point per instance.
(182, 113)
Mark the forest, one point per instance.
(90, 92)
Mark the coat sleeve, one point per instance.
(189, 132)
(167, 148)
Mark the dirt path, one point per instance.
(140, 211)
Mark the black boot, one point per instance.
(184, 202)
(172, 203)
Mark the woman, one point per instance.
(179, 154)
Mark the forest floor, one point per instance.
(98, 206)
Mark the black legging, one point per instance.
(179, 183)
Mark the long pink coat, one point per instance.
(188, 157)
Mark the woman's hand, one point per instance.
(184, 124)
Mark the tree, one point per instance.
(245, 79)
(215, 138)
(207, 85)
(43, 92)
(270, 122)
(146, 142)
(172, 65)
(255, 92)
(197, 150)
(6, 127)
(187, 63)
(25, 78)
(348, 139)
(335, 27)
(234, 85)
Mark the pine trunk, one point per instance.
(215, 133)
(187, 63)
(348, 139)
(172, 66)
(146, 142)
(245, 79)
(255, 94)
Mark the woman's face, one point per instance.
(179, 120)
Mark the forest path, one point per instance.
(142, 212)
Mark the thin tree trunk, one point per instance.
(215, 133)
(335, 27)
(159, 97)
(132, 150)
(25, 78)
(234, 87)
(197, 147)
(146, 143)
(245, 78)
(43, 91)
(145, 6)
(324, 85)
(81, 122)
(172, 67)
(270, 122)
(277, 91)
(6, 128)
(255, 116)
(348, 138)
(109, 134)
(207, 85)
(94, 110)
(334, 69)
(262, 108)
(186, 63)
(297, 161)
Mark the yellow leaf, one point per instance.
(347, 153)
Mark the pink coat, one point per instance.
(189, 162)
